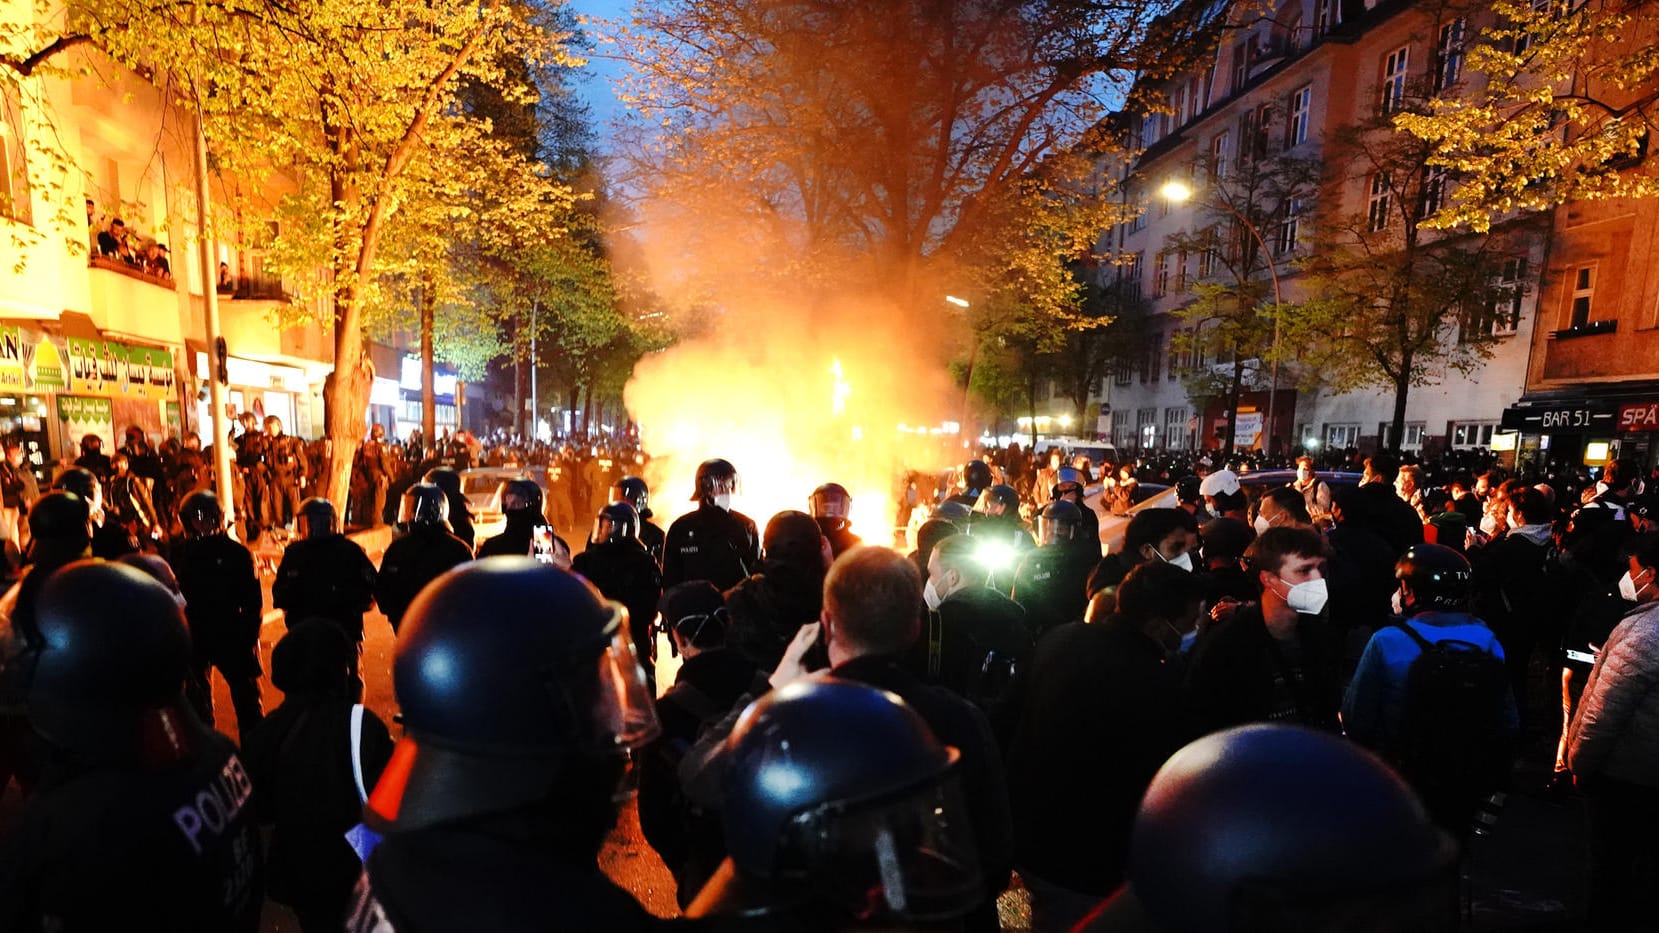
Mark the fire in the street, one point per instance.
(794, 406)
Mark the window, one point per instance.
(1206, 256)
(1241, 66)
(1152, 362)
(1341, 436)
(1434, 190)
(1509, 296)
(1131, 272)
(1138, 222)
(1472, 434)
(1179, 105)
(1146, 428)
(1449, 68)
(14, 169)
(1160, 275)
(1296, 131)
(1181, 272)
(1206, 90)
(1377, 208)
(1413, 435)
(1584, 289)
(1253, 131)
(1524, 41)
(1175, 429)
(1219, 147)
(1326, 15)
(1289, 227)
(1173, 366)
(1149, 128)
(1121, 374)
(1123, 430)
(1394, 81)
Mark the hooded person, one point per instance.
(770, 606)
(521, 503)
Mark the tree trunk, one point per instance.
(571, 398)
(519, 366)
(1233, 393)
(346, 395)
(1031, 408)
(1397, 427)
(429, 391)
(587, 414)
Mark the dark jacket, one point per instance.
(1389, 516)
(625, 572)
(653, 538)
(300, 762)
(710, 544)
(514, 540)
(1102, 713)
(460, 519)
(222, 597)
(328, 578)
(970, 625)
(1240, 674)
(1360, 577)
(413, 561)
(768, 608)
(1051, 585)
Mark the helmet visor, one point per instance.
(910, 856)
(829, 505)
(1050, 530)
(622, 710)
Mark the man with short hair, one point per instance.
(975, 635)
(1381, 509)
(1275, 661)
(1165, 535)
(1316, 493)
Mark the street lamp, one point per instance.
(1179, 192)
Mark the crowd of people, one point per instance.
(115, 241)
(1273, 707)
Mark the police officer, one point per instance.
(325, 574)
(841, 811)
(424, 552)
(831, 506)
(617, 563)
(521, 702)
(521, 503)
(375, 465)
(460, 511)
(976, 478)
(1002, 536)
(224, 605)
(93, 457)
(713, 543)
(632, 490)
(1051, 583)
(1069, 487)
(109, 540)
(285, 473)
(1272, 827)
(249, 476)
(146, 818)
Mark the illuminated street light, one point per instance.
(959, 302)
(1176, 191)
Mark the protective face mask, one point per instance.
(1308, 597)
(930, 595)
(1601, 488)
(724, 500)
(1399, 608)
(1489, 524)
(1182, 560)
(1262, 524)
(1511, 521)
(1628, 588)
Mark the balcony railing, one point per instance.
(1587, 329)
(258, 287)
(131, 271)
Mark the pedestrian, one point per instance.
(424, 551)
(1316, 493)
(521, 505)
(109, 539)
(18, 488)
(521, 705)
(93, 457)
(712, 543)
(224, 605)
(326, 575)
(249, 476)
(976, 637)
(312, 762)
(127, 503)
(143, 817)
(1517, 587)
(617, 563)
(785, 592)
(1163, 535)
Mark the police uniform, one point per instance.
(711, 544)
(285, 467)
(328, 577)
(652, 536)
(624, 571)
(250, 481)
(839, 534)
(1052, 585)
(375, 466)
(224, 605)
(411, 562)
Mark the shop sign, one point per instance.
(1643, 417)
(28, 360)
(85, 411)
(1586, 418)
(117, 370)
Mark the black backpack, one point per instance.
(1450, 741)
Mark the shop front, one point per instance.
(257, 387)
(1569, 432)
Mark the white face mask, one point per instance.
(1399, 607)
(1261, 524)
(1182, 560)
(1628, 588)
(724, 500)
(1307, 597)
(1489, 525)
(1601, 488)
(930, 595)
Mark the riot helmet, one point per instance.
(1002, 497)
(91, 444)
(423, 505)
(615, 522)
(632, 490)
(495, 714)
(84, 483)
(953, 511)
(837, 796)
(831, 501)
(1058, 522)
(715, 478)
(520, 499)
(100, 684)
(445, 478)
(316, 518)
(976, 476)
(60, 516)
(1438, 576)
(202, 515)
(1271, 827)
(1067, 480)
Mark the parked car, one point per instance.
(1254, 485)
(482, 486)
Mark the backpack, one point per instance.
(1450, 740)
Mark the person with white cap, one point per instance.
(1223, 496)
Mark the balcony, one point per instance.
(255, 288)
(1587, 329)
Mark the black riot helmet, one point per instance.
(1274, 827)
(1067, 480)
(953, 511)
(1058, 522)
(632, 490)
(838, 797)
(60, 516)
(496, 713)
(714, 478)
(201, 515)
(521, 498)
(1003, 495)
(423, 505)
(615, 522)
(1439, 578)
(444, 478)
(105, 684)
(316, 518)
(976, 476)
(82, 482)
(831, 501)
